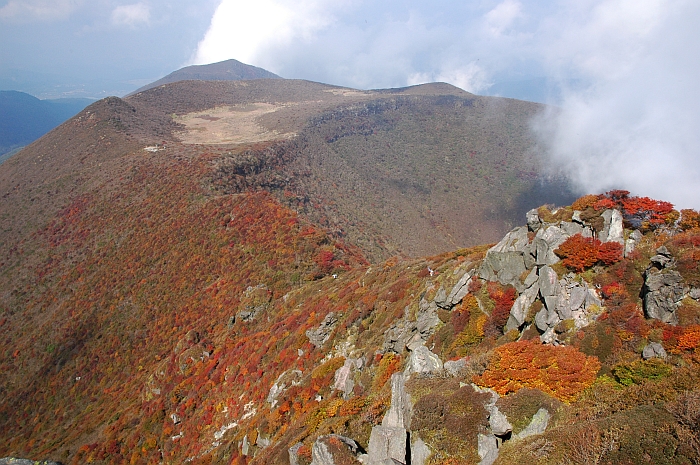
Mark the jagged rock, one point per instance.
(285, 380)
(537, 425)
(515, 241)
(572, 228)
(546, 241)
(662, 294)
(548, 284)
(662, 259)
(504, 267)
(533, 220)
(321, 452)
(694, 293)
(386, 442)
(613, 230)
(254, 301)
(441, 298)
(343, 376)
(17, 461)
(405, 332)
(459, 290)
(518, 311)
(487, 448)
(654, 350)
(399, 413)
(422, 360)
(632, 241)
(500, 426)
(455, 367)
(320, 335)
(245, 446)
(294, 453)
(419, 452)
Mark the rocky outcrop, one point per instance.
(320, 335)
(284, 381)
(663, 289)
(407, 331)
(423, 361)
(327, 449)
(342, 380)
(254, 301)
(654, 350)
(537, 425)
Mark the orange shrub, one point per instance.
(561, 371)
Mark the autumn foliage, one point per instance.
(579, 253)
(560, 371)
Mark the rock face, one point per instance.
(255, 300)
(284, 381)
(654, 350)
(326, 448)
(406, 331)
(342, 380)
(320, 335)
(663, 289)
(537, 425)
(389, 440)
(422, 360)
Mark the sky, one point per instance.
(621, 74)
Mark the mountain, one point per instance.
(228, 70)
(197, 273)
(24, 118)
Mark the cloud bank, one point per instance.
(631, 121)
(41, 10)
(131, 15)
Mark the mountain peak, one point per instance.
(228, 70)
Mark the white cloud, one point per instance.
(131, 15)
(502, 16)
(38, 10)
(637, 125)
(243, 30)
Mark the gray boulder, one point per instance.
(518, 311)
(613, 230)
(321, 451)
(399, 413)
(343, 376)
(487, 448)
(455, 367)
(294, 453)
(386, 442)
(654, 350)
(662, 294)
(422, 360)
(533, 220)
(537, 425)
(320, 335)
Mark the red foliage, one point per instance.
(610, 252)
(504, 297)
(640, 212)
(561, 371)
(579, 253)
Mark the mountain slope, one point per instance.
(228, 70)
(24, 118)
(191, 274)
(453, 169)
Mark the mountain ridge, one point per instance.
(166, 301)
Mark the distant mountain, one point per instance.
(25, 118)
(229, 70)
